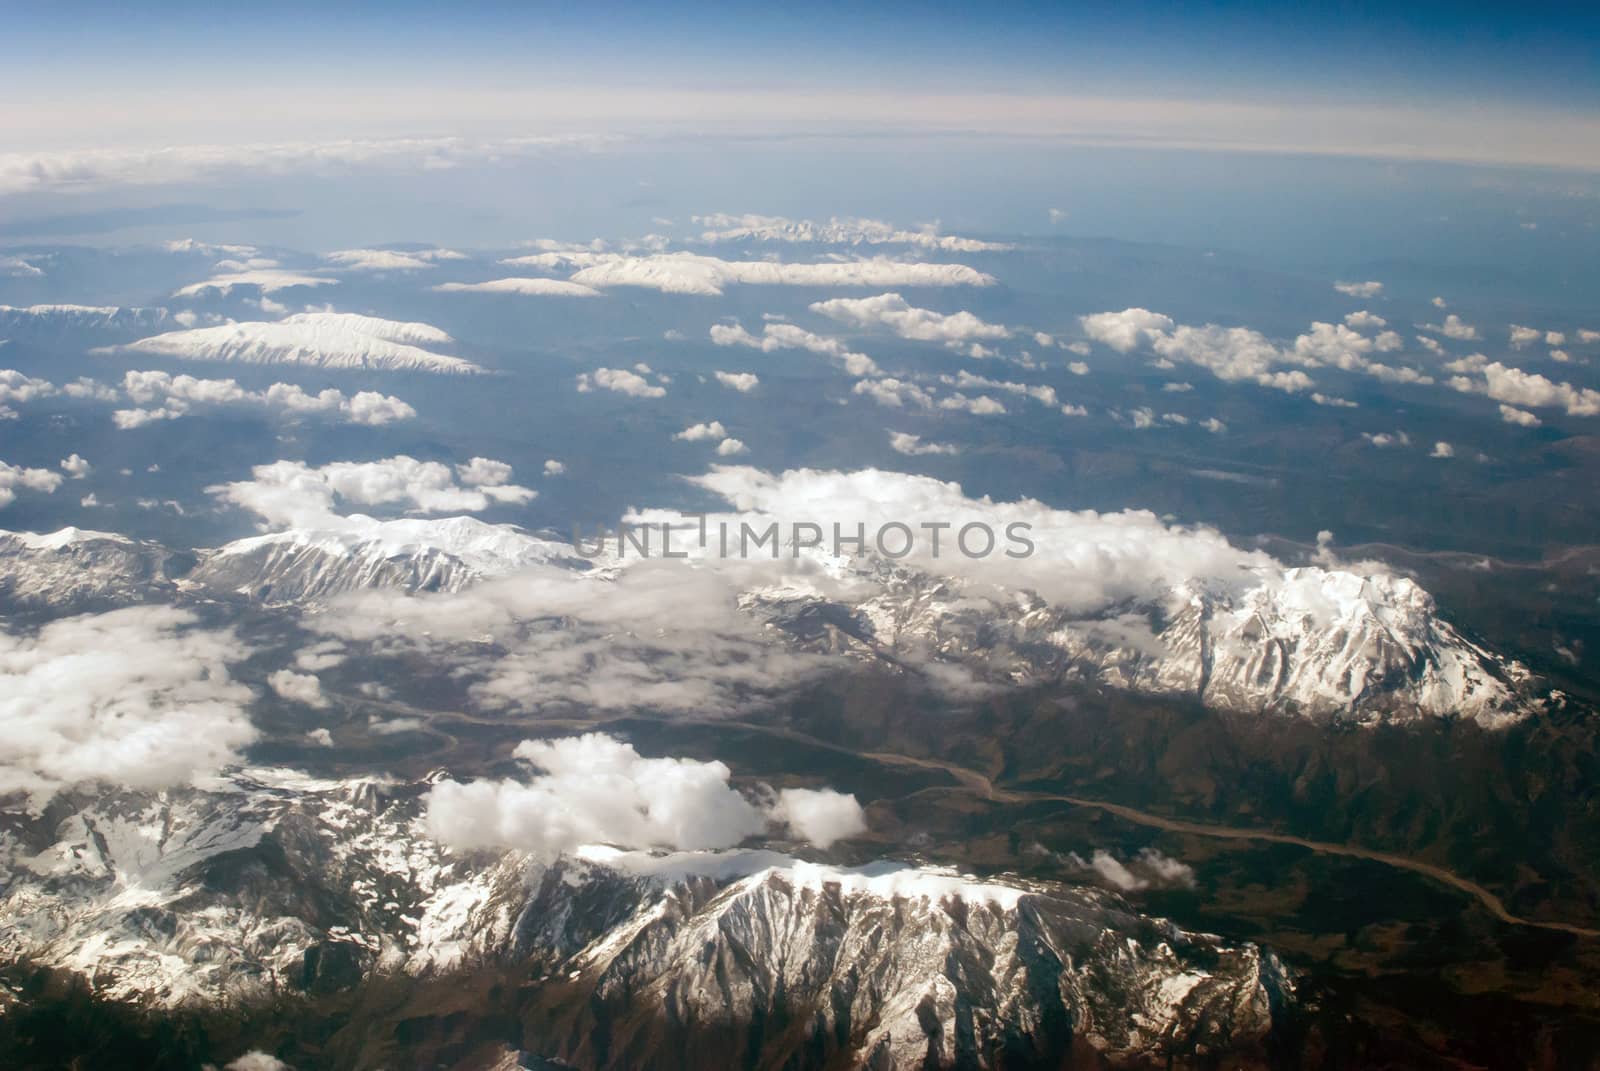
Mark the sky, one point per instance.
(1507, 84)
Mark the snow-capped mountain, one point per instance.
(49, 323)
(1324, 643)
(77, 569)
(272, 881)
(410, 554)
(322, 339)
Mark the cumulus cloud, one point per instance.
(1360, 290)
(1526, 389)
(722, 227)
(596, 790)
(297, 687)
(1512, 415)
(1385, 439)
(162, 396)
(820, 816)
(895, 313)
(1126, 330)
(743, 382)
(527, 287)
(140, 697)
(1148, 869)
(294, 494)
(1442, 449)
(983, 405)
(902, 442)
(731, 448)
(265, 280)
(1365, 321)
(894, 393)
(708, 431)
(16, 477)
(75, 466)
(696, 274)
(1454, 327)
(321, 339)
(1522, 337)
(552, 467)
(783, 336)
(620, 380)
(1042, 393)
(256, 1060)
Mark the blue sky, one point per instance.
(1438, 52)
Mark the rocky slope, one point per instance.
(273, 882)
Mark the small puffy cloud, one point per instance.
(15, 477)
(894, 393)
(320, 737)
(1442, 449)
(820, 816)
(902, 442)
(75, 466)
(1555, 338)
(1526, 389)
(707, 431)
(1214, 426)
(294, 494)
(1360, 290)
(140, 698)
(1454, 327)
(163, 396)
(731, 448)
(1177, 388)
(1522, 337)
(297, 687)
(552, 467)
(1126, 330)
(983, 405)
(743, 382)
(484, 472)
(620, 380)
(256, 1060)
(784, 336)
(1512, 415)
(906, 320)
(1148, 869)
(594, 789)
(1384, 439)
(1078, 368)
(1440, 303)
(1365, 321)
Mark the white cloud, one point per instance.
(1453, 327)
(256, 1060)
(836, 231)
(484, 472)
(1386, 439)
(743, 382)
(819, 816)
(1124, 331)
(1440, 303)
(983, 405)
(1214, 426)
(783, 336)
(75, 466)
(704, 432)
(1360, 290)
(294, 494)
(1177, 388)
(906, 320)
(1555, 338)
(1078, 368)
(297, 687)
(1365, 321)
(893, 393)
(527, 287)
(1521, 337)
(322, 339)
(594, 789)
(1443, 449)
(1512, 415)
(620, 380)
(139, 697)
(552, 467)
(1528, 389)
(163, 396)
(320, 737)
(15, 477)
(731, 448)
(912, 445)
